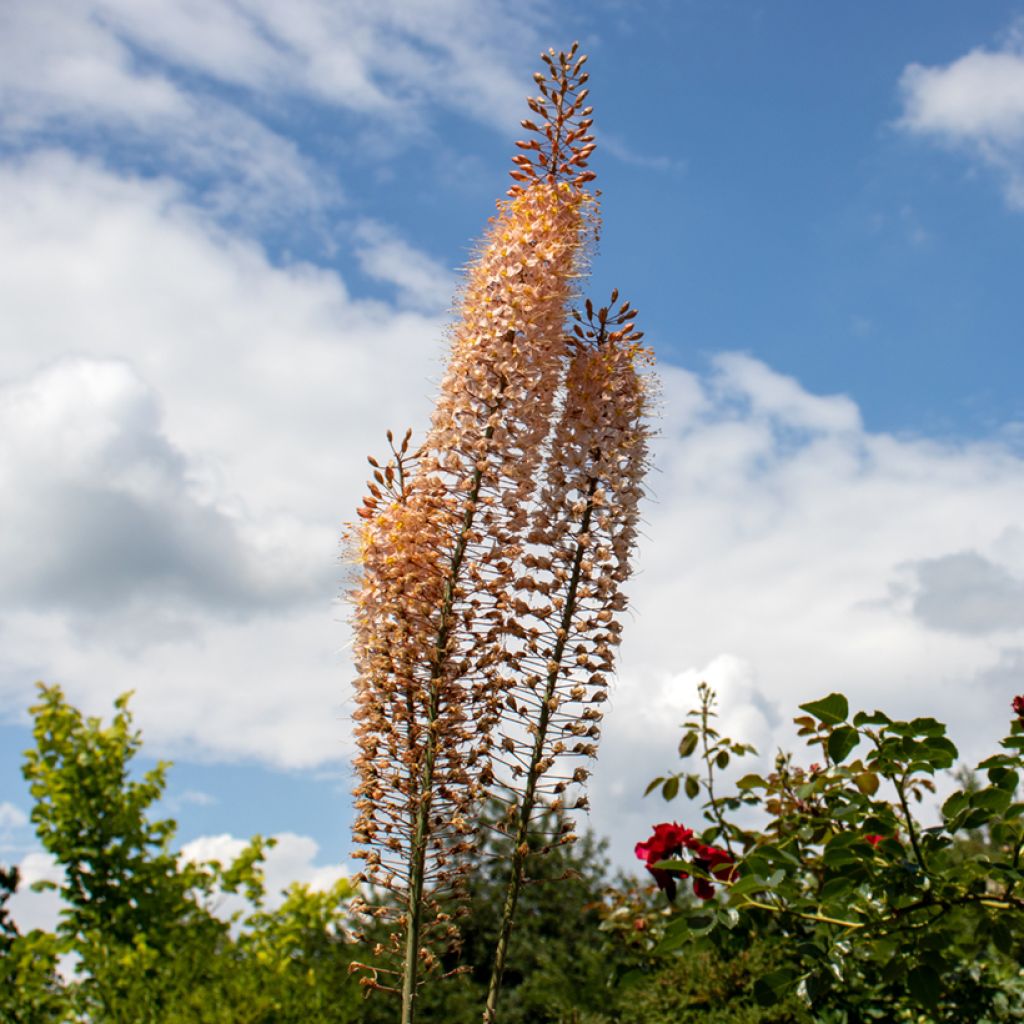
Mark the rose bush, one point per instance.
(883, 905)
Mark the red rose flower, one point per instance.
(873, 839)
(1018, 707)
(715, 862)
(666, 843)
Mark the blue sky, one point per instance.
(231, 236)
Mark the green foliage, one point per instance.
(560, 962)
(845, 908)
(709, 984)
(872, 915)
(136, 915)
(131, 912)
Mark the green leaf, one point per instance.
(940, 752)
(831, 710)
(692, 786)
(747, 885)
(630, 978)
(670, 788)
(771, 987)
(925, 985)
(673, 865)
(992, 799)
(875, 718)
(1002, 937)
(954, 805)
(751, 782)
(841, 742)
(836, 888)
(688, 744)
(653, 785)
(722, 760)
(1004, 778)
(676, 934)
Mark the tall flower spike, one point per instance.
(570, 592)
(439, 537)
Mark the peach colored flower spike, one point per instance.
(569, 590)
(535, 451)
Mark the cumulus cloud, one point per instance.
(30, 909)
(421, 281)
(185, 431)
(99, 510)
(204, 84)
(965, 592)
(292, 859)
(185, 423)
(184, 376)
(975, 103)
(777, 541)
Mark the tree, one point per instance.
(137, 916)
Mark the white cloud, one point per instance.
(168, 367)
(385, 58)
(202, 83)
(36, 909)
(976, 102)
(11, 816)
(180, 369)
(628, 154)
(422, 282)
(67, 70)
(963, 592)
(99, 510)
(775, 552)
(292, 859)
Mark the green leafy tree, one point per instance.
(132, 913)
(136, 916)
(30, 989)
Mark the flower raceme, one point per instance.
(668, 842)
(492, 558)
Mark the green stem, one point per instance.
(710, 784)
(911, 831)
(824, 918)
(521, 847)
